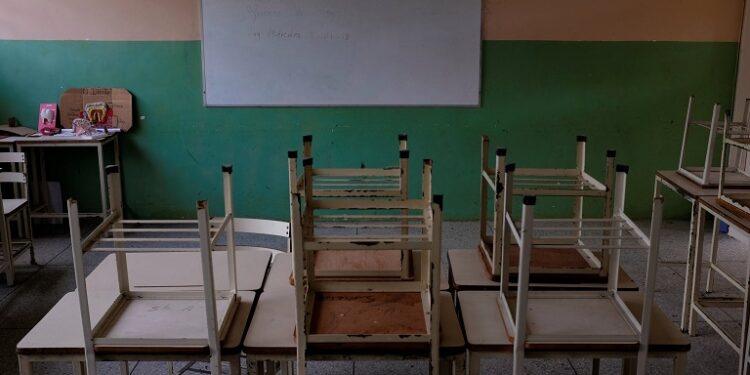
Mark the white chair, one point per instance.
(565, 321)
(15, 208)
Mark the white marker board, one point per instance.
(341, 52)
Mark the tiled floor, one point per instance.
(39, 287)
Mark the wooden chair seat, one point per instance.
(272, 327)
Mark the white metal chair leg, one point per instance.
(714, 253)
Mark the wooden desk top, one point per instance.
(468, 272)
(60, 332)
(690, 189)
(182, 271)
(730, 215)
(58, 139)
(485, 329)
(271, 330)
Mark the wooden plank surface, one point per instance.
(182, 271)
(485, 329)
(728, 214)
(271, 330)
(157, 318)
(357, 263)
(368, 314)
(688, 188)
(467, 271)
(60, 332)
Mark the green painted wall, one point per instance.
(537, 96)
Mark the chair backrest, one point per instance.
(384, 182)
(16, 174)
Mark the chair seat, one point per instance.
(11, 206)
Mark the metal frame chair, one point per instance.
(16, 208)
(615, 323)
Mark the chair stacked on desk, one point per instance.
(563, 322)
(733, 167)
(379, 183)
(730, 205)
(349, 314)
(551, 267)
(137, 321)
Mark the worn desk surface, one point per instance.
(60, 332)
(271, 330)
(485, 329)
(182, 271)
(690, 189)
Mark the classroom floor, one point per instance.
(38, 288)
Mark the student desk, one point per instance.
(39, 192)
(698, 303)
(691, 192)
(270, 336)
(486, 336)
(58, 337)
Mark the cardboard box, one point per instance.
(120, 100)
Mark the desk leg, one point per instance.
(744, 351)
(446, 367)
(697, 263)
(459, 365)
(679, 366)
(10, 270)
(686, 300)
(234, 365)
(24, 365)
(79, 368)
(714, 253)
(102, 183)
(474, 364)
(629, 366)
(595, 366)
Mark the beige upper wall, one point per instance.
(677, 20)
(674, 20)
(100, 19)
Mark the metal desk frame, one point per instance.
(38, 167)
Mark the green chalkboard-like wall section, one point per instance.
(537, 96)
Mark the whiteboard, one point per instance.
(341, 52)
